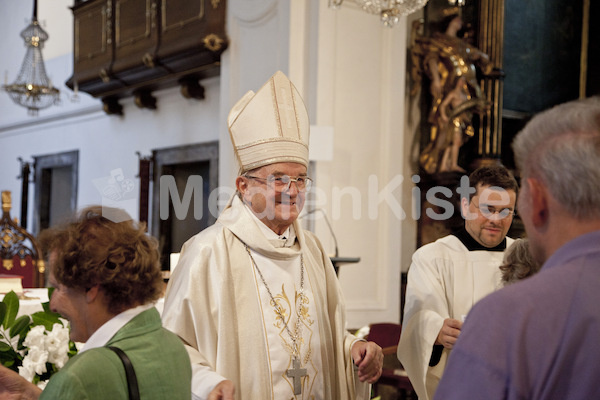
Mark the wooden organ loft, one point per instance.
(125, 48)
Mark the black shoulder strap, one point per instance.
(134, 393)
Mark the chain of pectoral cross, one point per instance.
(296, 373)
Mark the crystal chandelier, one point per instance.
(389, 11)
(32, 88)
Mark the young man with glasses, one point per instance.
(255, 297)
(448, 276)
(538, 338)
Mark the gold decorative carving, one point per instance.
(104, 75)
(6, 201)
(18, 244)
(213, 42)
(41, 266)
(215, 3)
(148, 60)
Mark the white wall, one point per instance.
(104, 142)
(360, 90)
(351, 73)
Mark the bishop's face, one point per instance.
(276, 208)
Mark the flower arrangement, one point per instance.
(37, 345)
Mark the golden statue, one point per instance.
(450, 64)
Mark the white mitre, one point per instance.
(270, 126)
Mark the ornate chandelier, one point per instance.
(32, 88)
(389, 11)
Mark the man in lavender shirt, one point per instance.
(540, 338)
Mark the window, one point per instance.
(191, 169)
(55, 196)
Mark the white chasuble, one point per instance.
(445, 280)
(215, 303)
(283, 279)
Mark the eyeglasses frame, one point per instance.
(489, 214)
(306, 188)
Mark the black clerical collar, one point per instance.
(473, 245)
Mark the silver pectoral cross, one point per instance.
(296, 373)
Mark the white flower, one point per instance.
(57, 344)
(27, 373)
(57, 339)
(52, 343)
(59, 359)
(62, 331)
(42, 384)
(42, 347)
(33, 363)
(36, 337)
(36, 360)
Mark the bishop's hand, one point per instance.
(223, 391)
(368, 357)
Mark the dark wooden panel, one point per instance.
(137, 38)
(192, 32)
(179, 13)
(127, 47)
(542, 46)
(92, 41)
(133, 22)
(593, 67)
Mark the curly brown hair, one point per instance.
(94, 250)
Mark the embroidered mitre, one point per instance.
(270, 126)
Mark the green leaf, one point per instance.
(4, 347)
(46, 305)
(9, 363)
(2, 312)
(21, 326)
(45, 318)
(11, 359)
(72, 349)
(12, 309)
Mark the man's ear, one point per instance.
(92, 293)
(539, 202)
(464, 207)
(241, 184)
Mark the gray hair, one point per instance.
(518, 262)
(561, 147)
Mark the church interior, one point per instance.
(138, 92)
